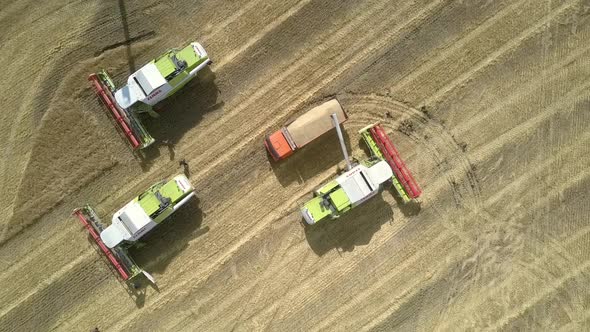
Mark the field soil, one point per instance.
(487, 101)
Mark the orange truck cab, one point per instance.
(306, 128)
(278, 146)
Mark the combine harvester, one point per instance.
(362, 181)
(154, 82)
(135, 220)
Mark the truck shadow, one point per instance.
(312, 159)
(355, 228)
(159, 248)
(180, 113)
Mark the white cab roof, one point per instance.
(132, 216)
(139, 85)
(361, 181)
(355, 183)
(149, 77)
(128, 95)
(114, 234)
(379, 173)
(126, 222)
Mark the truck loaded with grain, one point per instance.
(306, 128)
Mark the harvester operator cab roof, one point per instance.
(139, 85)
(125, 224)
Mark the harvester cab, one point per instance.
(152, 83)
(363, 181)
(347, 191)
(135, 220)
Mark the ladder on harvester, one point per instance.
(382, 147)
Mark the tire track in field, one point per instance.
(537, 262)
(554, 72)
(503, 50)
(419, 258)
(442, 148)
(532, 173)
(455, 47)
(552, 288)
(485, 150)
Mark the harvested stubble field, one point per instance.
(488, 102)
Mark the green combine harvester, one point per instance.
(133, 221)
(362, 181)
(152, 83)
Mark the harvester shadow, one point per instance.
(355, 228)
(180, 113)
(409, 209)
(123, 12)
(159, 248)
(312, 159)
(138, 293)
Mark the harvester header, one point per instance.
(382, 147)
